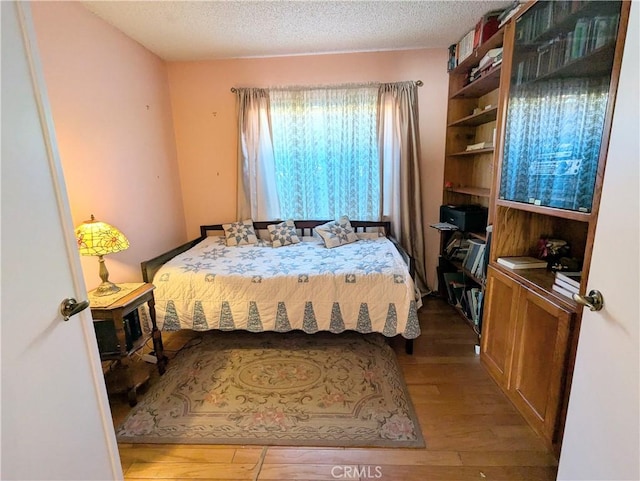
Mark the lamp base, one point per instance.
(106, 289)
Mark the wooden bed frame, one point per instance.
(151, 266)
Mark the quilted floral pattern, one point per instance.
(240, 233)
(283, 234)
(364, 285)
(337, 233)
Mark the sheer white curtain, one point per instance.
(400, 164)
(327, 152)
(325, 141)
(257, 194)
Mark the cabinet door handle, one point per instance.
(70, 307)
(594, 301)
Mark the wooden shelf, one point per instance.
(478, 235)
(595, 64)
(483, 85)
(562, 213)
(458, 265)
(487, 115)
(540, 281)
(477, 191)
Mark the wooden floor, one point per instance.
(471, 430)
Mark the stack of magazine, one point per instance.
(567, 283)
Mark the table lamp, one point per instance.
(97, 238)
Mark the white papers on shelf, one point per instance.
(444, 226)
(479, 145)
(522, 262)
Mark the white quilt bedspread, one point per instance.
(364, 286)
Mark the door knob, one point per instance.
(70, 307)
(594, 301)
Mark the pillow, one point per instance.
(336, 233)
(240, 233)
(283, 234)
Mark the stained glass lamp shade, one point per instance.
(97, 238)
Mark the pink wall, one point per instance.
(204, 116)
(112, 114)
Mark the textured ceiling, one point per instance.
(198, 30)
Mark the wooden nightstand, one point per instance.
(117, 338)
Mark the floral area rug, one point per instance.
(278, 389)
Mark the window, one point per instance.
(325, 145)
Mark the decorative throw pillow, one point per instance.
(336, 233)
(283, 234)
(240, 233)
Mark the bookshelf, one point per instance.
(560, 58)
(472, 114)
(471, 118)
(463, 279)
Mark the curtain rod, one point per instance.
(419, 83)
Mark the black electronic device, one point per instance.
(468, 218)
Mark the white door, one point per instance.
(601, 440)
(56, 422)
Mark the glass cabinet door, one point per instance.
(559, 89)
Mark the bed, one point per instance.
(365, 286)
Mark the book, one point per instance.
(487, 249)
(571, 278)
(522, 262)
(567, 286)
(562, 291)
(509, 13)
(478, 267)
(452, 281)
(473, 254)
(580, 38)
(465, 45)
(486, 27)
(452, 62)
(490, 57)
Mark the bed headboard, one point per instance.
(151, 266)
(306, 226)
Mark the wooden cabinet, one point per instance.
(526, 349)
(501, 303)
(112, 312)
(558, 88)
(539, 363)
(556, 99)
